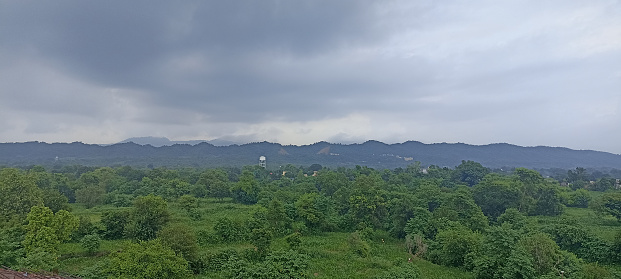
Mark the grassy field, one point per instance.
(605, 227)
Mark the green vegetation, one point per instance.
(296, 222)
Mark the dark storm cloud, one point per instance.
(525, 72)
(131, 45)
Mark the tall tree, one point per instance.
(18, 194)
(469, 172)
(148, 215)
(246, 190)
(495, 193)
(44, 234)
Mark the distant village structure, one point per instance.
(262, 162)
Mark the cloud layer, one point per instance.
(297, 72)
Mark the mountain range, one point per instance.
(371, 153)
(162, 141)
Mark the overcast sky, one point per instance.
(297, 72)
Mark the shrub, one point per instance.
(294, 240)
(229, 230)
(145, 260)
(91, 243)
(358, 245)
(406, 271)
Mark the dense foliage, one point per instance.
(257, 223)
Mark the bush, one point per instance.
(294, 240)
(279, 264)
(10, 245)
(205, 238)
(453, 245)
(145, 260)
(406, 271)
(218, 261)
(86, 227)
(195, 214)
(148, 215)
(91, 243)
(229, 230)
(181, 239)
(38, 260)
(358, 245)
(114, 223)
(579, 198)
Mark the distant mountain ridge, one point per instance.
(163, 141)
(373, 154)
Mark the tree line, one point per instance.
(470, 217)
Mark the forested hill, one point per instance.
(371, 153)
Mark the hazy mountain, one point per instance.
(371, 153)
(162, 141)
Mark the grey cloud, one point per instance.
(223, 66)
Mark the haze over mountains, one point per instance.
(163, 141)
(155, 152)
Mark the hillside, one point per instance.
(371, 153)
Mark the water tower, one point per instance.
(262, 162)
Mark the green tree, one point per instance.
(148, 215)
(45, 231)
(401, 209)
(310, 208)
(90, 196)
(181, 239)
(329, 182)
(91, 243)
(548, 201)
(579, 174)
(19, 194)
(187, 202)
(420, 223)
(10, 245)
(246, 190)
(65, 224)
(261, 238)
(367, 203)
(294, 240)
(53, 199)
(228, 230)
(44, 234)
(499, 245)
(277, 218)
(495, 193)
(469, 172)
(220, 190)
(454, 245)
(213, 183)
(513, 217)
(579, 198)
(461, 207)
(603, 184)
(115, 222)
(105, 178)
(544, 252)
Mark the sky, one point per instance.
(523, 72)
